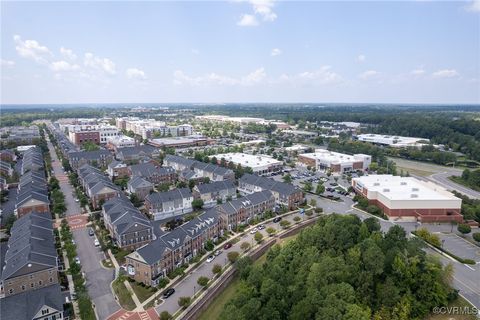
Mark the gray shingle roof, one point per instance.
(176, 194)
(247, 201)
(216, 186)
(282, 188)
(139, 182)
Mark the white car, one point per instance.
(210, 258)
(253, 231)
(77, 260)
(96, 242)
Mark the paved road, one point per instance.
(98, 278)
(442, 179)
(189, 285)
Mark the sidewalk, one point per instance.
(134, 296)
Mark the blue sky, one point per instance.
(240, 51)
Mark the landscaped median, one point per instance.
(433, 240)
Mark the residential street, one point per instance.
(98, 278)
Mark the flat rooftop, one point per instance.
(249, 160)
(335, 157)
(404, 188)
(390, 140)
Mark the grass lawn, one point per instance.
(151, 304)
(123, 295)
(414, 171)
(460, 302)
(107, 263)
(143, 293)
(120, 256)
(460, 181)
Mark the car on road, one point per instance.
(77, 260)
(253, 231)
(168, 293)
(261, 227)
(218, 252)
(96, 242)
(76, 200)
(227, 246)
(90, 232)
(210, 258)
(277, 219)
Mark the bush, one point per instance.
(209, 245)
(258, 237)
(297, 219)
(203, 281)
(162, 283)
(476, 236)
(184, 302)
(271, 231)
(285, 224)
(165, 315)
(464, 228)
(217, 269)
(232, 256)
(245, 246)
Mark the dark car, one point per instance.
(277, 219)
(227, 246)
(90, 232)
(168, 293)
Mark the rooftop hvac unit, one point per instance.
(386, 190)
(415, 189)
(403, 183)
(376, 184)
(413, 195)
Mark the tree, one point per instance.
(203, 281)
(313, 202)
(297, 219)
(197, 204)
(245, 246)
(287, 178)
(209, 245)
(232, 256)
(464, 228)
(320, 189)
(307, 187)
(476, 236)
(285, 224)
(217, 269)
(258, 237)
(164, 315)
(184, 302)
(271, 231)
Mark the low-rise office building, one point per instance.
(393, 141)
(121, 141)
(260, 164)
(409, 198)
(335, 162)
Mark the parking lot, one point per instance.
(460, 247)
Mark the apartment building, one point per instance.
(169, 204)
(212, 193)
(153, 173)
(193, 169)
(97, 158)
(97, 186)
(260, 164)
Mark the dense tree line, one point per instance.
(470, 207)
(469, 178)
(342, 268)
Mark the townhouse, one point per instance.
(8, 155)
(214, 192)
(153, 173)
(140, 187)
(128, 227)
(192, 169)
(117, 169)
(285, 194)
(155, 260)
(169, 204)
(137, 153)
(97, 186)
(97, 158)
(240, 211)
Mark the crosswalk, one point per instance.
(123, 314)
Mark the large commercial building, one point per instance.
(335, 162)
(393, 141)
(261, 165)
(98, 134)
(409, 198)
(150, 128)
(181, 142)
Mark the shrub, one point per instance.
(258, 237)
(271, 231)
(476, 236)
(165, 315)
(217, 269)
(184, 302)
(464, 228)
(297, 219)
(162, 283)
(245, 246)
(232, 256)
(203, 281)
(285, 224)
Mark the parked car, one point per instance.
(77, 260)
(253, 231)
(261, 227)
(217, 253)
(277, 219)
(168, 293)
(227, 246)
(210, 258)
(90, 232)
(96, 242)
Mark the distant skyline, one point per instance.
(240, 51)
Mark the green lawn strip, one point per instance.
(143, 293)
(123, 295)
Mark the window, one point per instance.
(23, 287)
(40, 282)
(32, 285)
(51, 280)
(44, 312)
(10, 291)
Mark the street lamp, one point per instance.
(194, 288)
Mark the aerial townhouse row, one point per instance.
(97, 158)
(148, 264)
(285, 194)
(191, 169)
(97, 186)
(214, 193)
(29, 285)
(128, 227)
(32, 190)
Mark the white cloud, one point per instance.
(264, 9)
(322, 76)
(276, 52)
(473, 6)
(103, 64)
(31, 49)
(247, 20)
(255, 77)
(369, 74)
(63, 65)
(361, 58)
(68, 53)
(418, 72)
(137, 74)
(8, 63)
(446, 73)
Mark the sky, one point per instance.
(240, 51)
